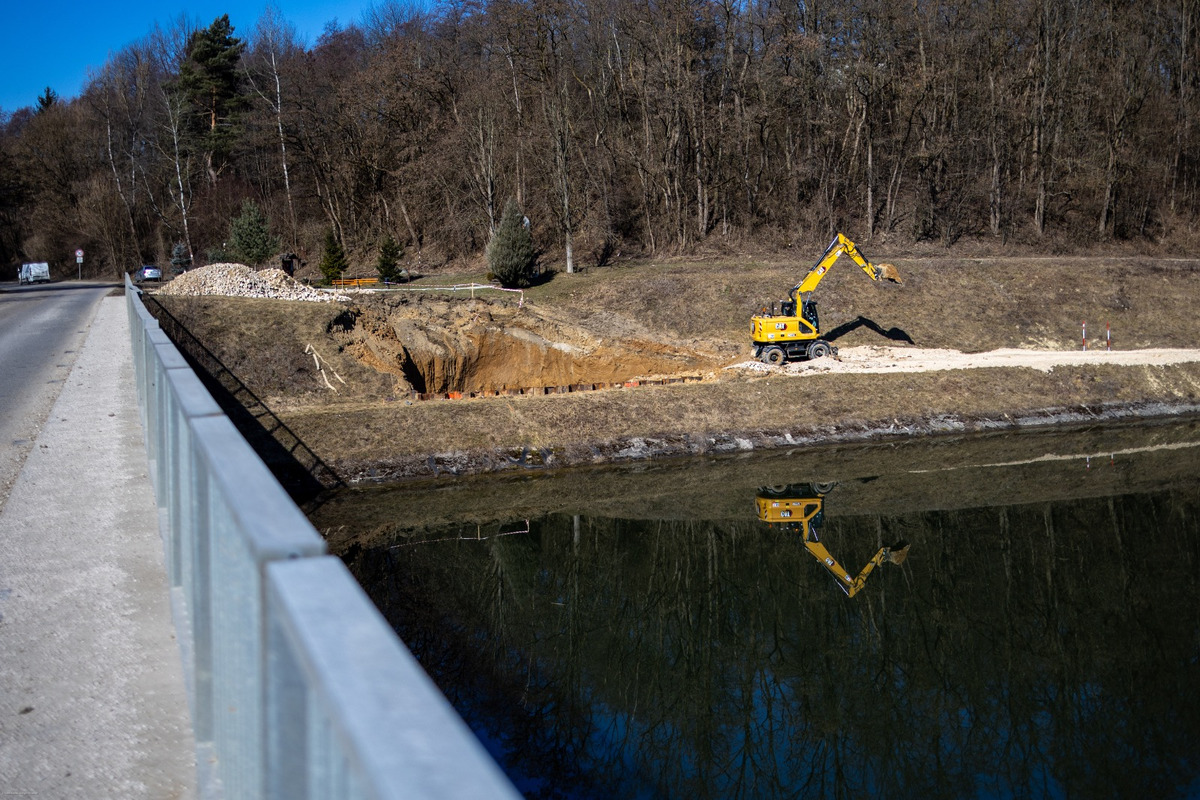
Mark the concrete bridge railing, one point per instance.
(298, 686)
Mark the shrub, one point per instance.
(250, 240)
(180, 260)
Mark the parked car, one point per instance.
(148, 272)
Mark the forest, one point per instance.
(622, 127)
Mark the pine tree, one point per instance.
(211, 79)
(180, 259)
(511, 254)
(47, 100)
(333, 261)
(250, 240)
(390, 253)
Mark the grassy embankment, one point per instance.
(365, 429)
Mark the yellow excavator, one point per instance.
(795, 333)
(799, 508)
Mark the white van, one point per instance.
(34, 273)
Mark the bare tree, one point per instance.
(274, 41)
(168, 49)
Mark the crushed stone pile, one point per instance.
(238, 280)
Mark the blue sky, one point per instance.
(51, 43)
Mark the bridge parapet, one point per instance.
(298, 686)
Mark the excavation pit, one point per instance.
(455, 350)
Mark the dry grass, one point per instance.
(397, 440)
(971, 305)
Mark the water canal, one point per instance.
(1031, 626)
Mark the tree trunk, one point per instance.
(287, 183)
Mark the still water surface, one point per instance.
(1008, 616)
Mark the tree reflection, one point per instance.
(1042, 649)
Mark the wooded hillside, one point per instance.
(623, 126)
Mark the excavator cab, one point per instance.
(799, 508)
(808, 311)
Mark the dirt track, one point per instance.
(875, 359)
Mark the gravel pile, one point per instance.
(238, 280)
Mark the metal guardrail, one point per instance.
(299, 688)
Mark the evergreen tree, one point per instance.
(511, 255)
(333, 260)
(250, 241)
(47, 100)
(390, 253)
(212, 81)
(180, 259)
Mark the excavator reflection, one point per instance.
(799, 508)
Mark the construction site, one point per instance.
(651, 359)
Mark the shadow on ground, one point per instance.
(297, 468)
(894, 334)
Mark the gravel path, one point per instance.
(910, 359)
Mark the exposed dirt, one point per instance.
(964, 344)
(479, 347)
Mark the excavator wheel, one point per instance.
(773, 356)
(819, 349)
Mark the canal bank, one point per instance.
(346, 379)
(379, 443)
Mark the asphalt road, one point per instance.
(93, 703)
(42, 328)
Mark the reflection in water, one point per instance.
(800, 509)
(1040, 648)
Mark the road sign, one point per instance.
(79, 254)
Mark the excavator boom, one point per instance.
(839, 246)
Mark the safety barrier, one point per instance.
(354, 283)
(471, 288)
(298, 686)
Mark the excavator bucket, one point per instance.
(888, 272)
(897, 553)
